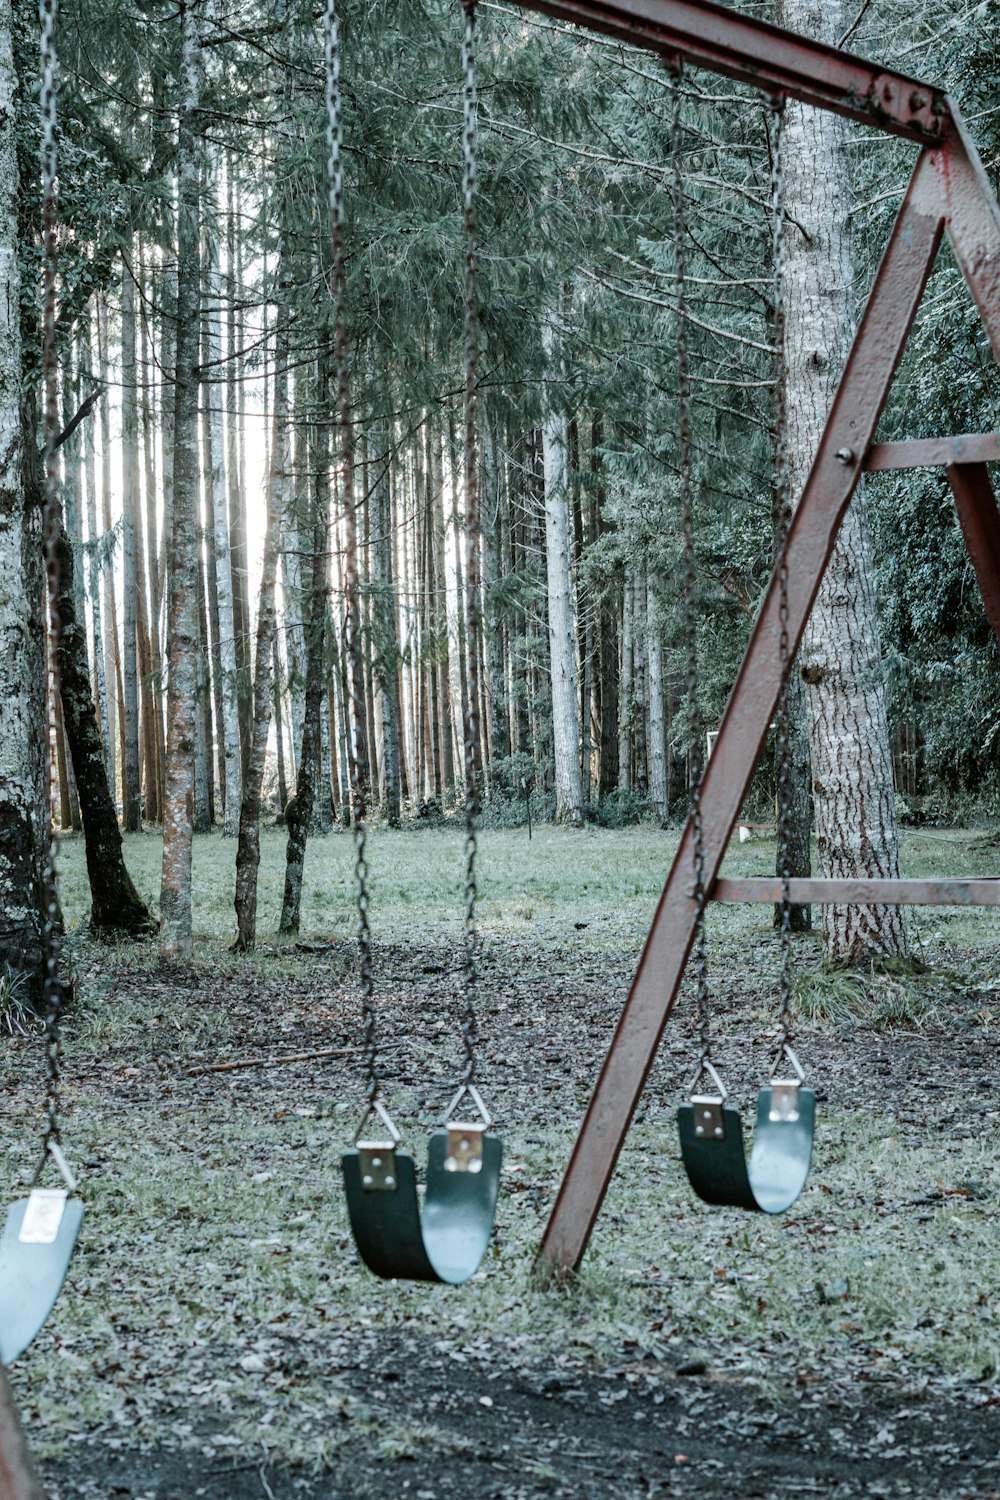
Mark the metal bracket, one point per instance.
(465, 1147)
(377, 1160)
(784, 1101)
(43, 1216)
(708, 1124)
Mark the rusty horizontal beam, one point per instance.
(951, 892)
(755, 52)
(929, 453)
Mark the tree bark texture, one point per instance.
(841, 662)
(24, 806)
(299, 811)
(115, 905)
(175, 885)
(131, 794)
(385, 635)
(248, 845)
(562, 629)
(657, 714)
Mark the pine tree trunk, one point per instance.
(23, 789)
(183, 645)
(237, 534)
(657, 714)
(131, 792)
(154, 788)
(248, 846)
(94, 586)
(115, 903)
(856, 833)
(112, 655)
(385, 633)
(299, 811)
(626, 704)
(562, 625)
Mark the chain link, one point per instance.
(52, 989)
(780, 524)
(686, 496)
(471, 706)
(352, 587)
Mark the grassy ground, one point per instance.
(216, 1322)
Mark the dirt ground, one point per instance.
(218, 1339)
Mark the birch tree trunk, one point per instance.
(562, 626)
(841, 664)
(175, 885)
(22, 784)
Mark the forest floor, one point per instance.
(218, 1338)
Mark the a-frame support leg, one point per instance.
(18, 1477)
(980, 522)
(850, 428)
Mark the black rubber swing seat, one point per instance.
(35, 1251)
(714, 1154)
(446, 1239)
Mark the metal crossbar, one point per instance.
(949, 194)
(767, 889)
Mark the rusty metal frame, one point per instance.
(948, 193)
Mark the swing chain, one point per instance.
(471, 457)
(780, 524)
(352, 589)
(690, 566)
(51, 987)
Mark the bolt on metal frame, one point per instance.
(948, 193)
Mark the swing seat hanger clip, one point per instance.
(708, 1118)
(784, 1106)
(464, 1151)
(377, 1157)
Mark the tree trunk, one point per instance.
(94, 584)
(562, 627)
(657, 715)
(385, 630)
(112, 656)
(23, 799)
(115, 903)
(626, 705)
(175, 885)
(248, 846)
(853, 800)
(299, 812)
(131, 793)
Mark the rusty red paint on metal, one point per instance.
(878, 345)
(952, 892)
(929, 453)
(755, 52)
(973, 220)
(980, 522)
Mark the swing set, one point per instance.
(446, 1237)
